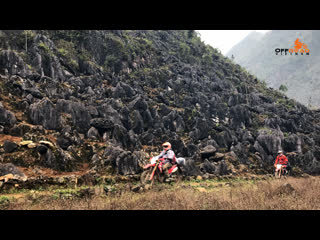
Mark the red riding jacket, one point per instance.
(283, 160)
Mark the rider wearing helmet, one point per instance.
(282, 160)
(169, 157)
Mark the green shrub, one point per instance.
(283, 88)
(45, 48)
(4, 202)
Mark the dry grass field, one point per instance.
(272, 194)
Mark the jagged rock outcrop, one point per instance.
(123, 162)
(55, 158)
(103, 96)
(45, 113)
(11, 63)
(268, 143)
(7, 118)
(80, 115)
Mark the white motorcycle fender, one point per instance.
(181, 161)
(153, 160)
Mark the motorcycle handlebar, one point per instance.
(162, 159)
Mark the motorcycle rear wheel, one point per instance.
(179, 176)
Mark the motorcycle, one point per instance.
(281, 171)
(153, 170)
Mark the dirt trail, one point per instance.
(4, 137)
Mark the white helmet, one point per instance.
(166, 146)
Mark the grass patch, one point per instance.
(224, 194)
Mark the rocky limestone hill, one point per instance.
(104, 102)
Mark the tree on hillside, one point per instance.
(283, 88)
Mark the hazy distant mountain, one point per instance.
(246, 47)
(301, 73)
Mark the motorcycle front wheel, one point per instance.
(145, 177)
(277, 174)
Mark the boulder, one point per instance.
(225, 138)
(123, 162)
(64, 142)
(268, 143)
(147, 119)
(222, 168)
(123, 90)
(108, 111)
(93, 111)
(44, 113)
(208, 151)
(93, 133)
(19, 129)
(128, 140)
(207, 167)
(201, 129)
(9, 168)
(68, 137)
(56, 159)
(292, 143)
(102, 124)
(9, 146)
(191, 150)
(34, 92)
(79, 113)
(12, 62)
(138, 104)
(217, 157)
(147, 138)
(7, 118)
(240, 116)
(190, 168)
(137, 122)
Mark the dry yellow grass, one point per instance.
(300, 194)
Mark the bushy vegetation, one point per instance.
(283, 88)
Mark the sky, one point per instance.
(224, 39)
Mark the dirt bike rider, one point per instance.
(169, 158)
(281, 160)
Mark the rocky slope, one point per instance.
(300, 74)
(104, 101)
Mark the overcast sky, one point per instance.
(224, 39)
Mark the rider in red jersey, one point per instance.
(281, 161)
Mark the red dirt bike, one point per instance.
(154, 170)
